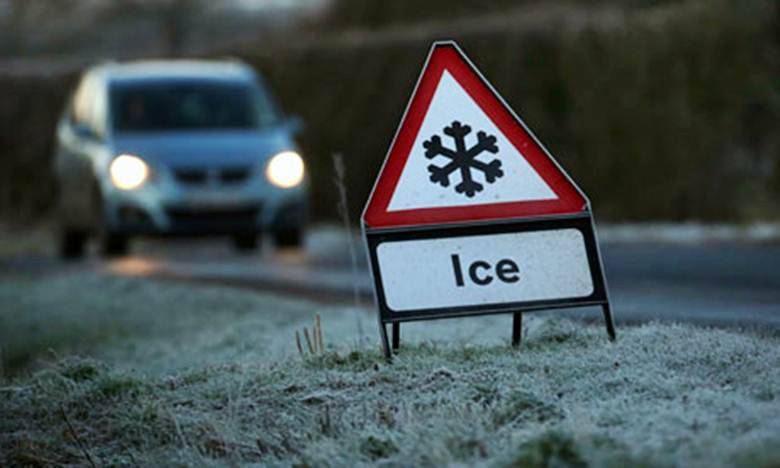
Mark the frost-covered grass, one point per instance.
(135, 323)
(170, 374)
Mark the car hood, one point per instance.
(204, 149)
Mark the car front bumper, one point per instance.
(166, 209)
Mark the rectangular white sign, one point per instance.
(484, 269)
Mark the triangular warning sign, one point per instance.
(461, 154)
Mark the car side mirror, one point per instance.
(86, 132)
(294, 124)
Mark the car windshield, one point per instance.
(189, 105)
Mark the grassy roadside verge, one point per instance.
(137, 324)
(208, 376)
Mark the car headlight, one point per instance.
(285, 170)
(128, 172)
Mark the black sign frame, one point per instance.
(583, 222)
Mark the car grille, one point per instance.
(234, 176)
(213, 220)
(191, 176)
(224, 176)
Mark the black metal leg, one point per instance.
(396, 336)
(609, 322)
(385, 342)
(517, 328)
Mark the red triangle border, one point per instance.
(447, 56)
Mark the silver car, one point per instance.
(176, 147)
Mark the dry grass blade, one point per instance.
(318, 338)
(343, 210)
(298, 343)
(308, 340)
(76, 438)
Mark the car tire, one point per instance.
(288, 238)
(72, 244)
(246, 242)
(114, 245)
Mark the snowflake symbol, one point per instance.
(463, 159)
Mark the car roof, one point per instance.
(175, 69)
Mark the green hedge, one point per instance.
(670, 115)
(29, 109)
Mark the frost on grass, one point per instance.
(660, 396)
(176, 375)
(137, 323)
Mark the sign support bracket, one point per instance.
(517, 328)
(609, 322)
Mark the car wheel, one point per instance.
(288, 238)
(246, 242)
(114, 245)
(72, 244)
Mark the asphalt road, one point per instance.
(720, 284)
(729, 284)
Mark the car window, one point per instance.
(188, 105)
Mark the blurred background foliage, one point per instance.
(661, 110)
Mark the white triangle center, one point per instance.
(515, 181)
